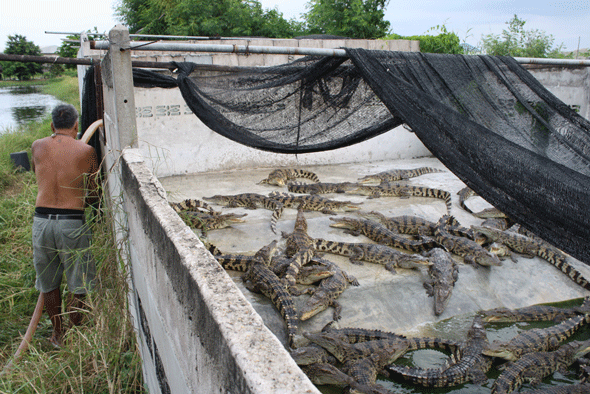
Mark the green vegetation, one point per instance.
(100, 356)
(443, 42)
(348, 18)
(518, 42)
(19, 45)
(222, 18)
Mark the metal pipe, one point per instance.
(185, 47)
(555, 62)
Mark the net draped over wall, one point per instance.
(485, 118)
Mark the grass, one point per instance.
(101, 356)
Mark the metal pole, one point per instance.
(555, 62)
(185, 47)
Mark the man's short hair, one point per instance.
(64, 116)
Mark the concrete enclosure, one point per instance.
(197, 331)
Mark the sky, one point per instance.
(568, 21)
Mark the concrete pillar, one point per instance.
(117, 78)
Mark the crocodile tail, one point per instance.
(307, 175)
(331, 246)
(556, 258)
(276, 215)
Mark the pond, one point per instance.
(22, 104)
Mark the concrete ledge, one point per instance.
(199, 333)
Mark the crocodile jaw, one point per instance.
(312, 308)
(501, 352)
(442, 296)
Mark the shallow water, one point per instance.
(22, 104)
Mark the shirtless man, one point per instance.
(66, 170)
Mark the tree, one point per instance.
(518, 42)
(222, 18)
(18, 45)
(443, 42)
(348, 18)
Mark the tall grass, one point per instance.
(99, 356)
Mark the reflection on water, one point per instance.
(22, 104)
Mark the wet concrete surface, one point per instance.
(393, 302)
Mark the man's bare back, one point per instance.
(61, 163)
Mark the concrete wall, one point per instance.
(570, 84)
(174, 141)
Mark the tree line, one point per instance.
(360, 19)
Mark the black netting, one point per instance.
(486, 118)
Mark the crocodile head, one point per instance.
(312, 273)
(347, 223)
(311, 354)
(360, 189)
(347, 206)
(501, 350)
(442, 294)
(370, 179)
(333, 342)
(313, 306)
(218, 199)
(488, 260)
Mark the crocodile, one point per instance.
(259, 278)
(316, 269)
(205, 221)
(280, 176)
(320, 188)
(299, 249)
(398, 175)
(401, 190)
(191, 204)
(312, 354)
(414, 225)
(364, 371)
(534, 313)
(314, 203)
(326, 293)
(537, 339)
(356, 335)
(534, 247)
(472, 365)
(373, 253)
(344, 351)
(328, 374)
(235, 261)
(362, 361)
(533, 367)
(251, 201)
(443, 274)
(472, 252)
(381, 234)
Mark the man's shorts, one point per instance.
(61, 246)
